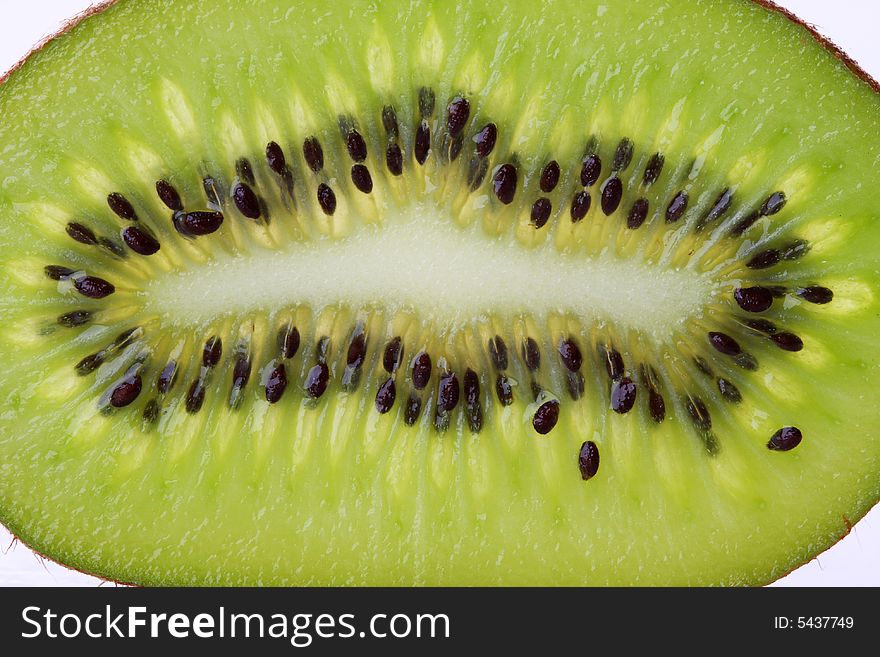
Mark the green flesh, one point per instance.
(330, 491)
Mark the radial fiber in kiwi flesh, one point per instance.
(335, 293)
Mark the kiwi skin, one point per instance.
(828, 45)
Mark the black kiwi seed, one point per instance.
(244, 171)
(623, 155)
(447, 391)
(485, 139)
(498, 353)
(275, 158)
(764, 259)
(126, 392)
(702, 365)
(457, 114)
(140, 241)
(357, 147)
(656, 406)
(815, 294)
(246, 201)
(167, 377)
(357, 350)
(195, 397)
(393, 355)
(774, 203)
(288, 341)
(580, 205)
(168, 195)
(75, 318)
(93, 287)
(549, 177)
(385, 396)
(613, 362)
(721, 205)
(394, 160)
(195, 224)
(623, 395)
(326, 199)
(477, 172)
(590, 170)
(81, 234)
(746, 361)
(612, 192)
(212, 351)
(413, 408)
(795, 250)
(570, 355)
(729, 391)
(471, 386)
(724, 343)
(455, 147)
(753, 299)
(426, 102)
(762, 326)
(504, 390)
(785, 439)
(276, 384)
(313, 153)
(151, 411)
(637, 214)
(90, 363)
(741, 226)
(787, 341)
(536, 389)
(126, 337)
(531, 354)
(541, 210)
(421, 371)
(317, 379)
(389, 122)
(322, 349)
(504, 183)
(112, 247)
(241, 371)
(653, 168)
(588, 460)
(121, 207)
(57, 272)
(422, 142)
(546, 417)
(361, 178)
(676, 208)
(698, 413)
(575, 384)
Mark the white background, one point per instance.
(851, 24)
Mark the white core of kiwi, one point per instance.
(421, 263)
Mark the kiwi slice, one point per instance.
(438, 293)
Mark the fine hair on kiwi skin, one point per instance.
(434, 408)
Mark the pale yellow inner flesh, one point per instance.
(424, 263)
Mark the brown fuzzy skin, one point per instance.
(40, 555)
(830, 46)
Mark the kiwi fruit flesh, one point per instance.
(438, 293)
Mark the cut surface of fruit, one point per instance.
(433, 293)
